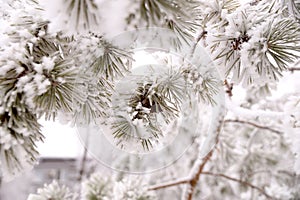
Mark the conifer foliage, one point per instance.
(58, 59)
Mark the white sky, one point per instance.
(60, 140)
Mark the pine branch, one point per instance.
(179, 16)
(161, 95)
(83, 12)
(97, 187)
(54, 191)
(151, 99)
(266, 52)
(113, 61)
(96, 100)
(204, 85)
(227, 46)
(262, 191)
(281, 44)
(20, 130)
(21, 80)
(63, 91)
(293, 7)
(230, 5)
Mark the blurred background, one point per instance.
(61, 158)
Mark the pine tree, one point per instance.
(75, 60)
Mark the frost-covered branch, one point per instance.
(253, 113)
(52, 63)
(170, 184)
(261, 190)
(201, 162)
(53, 191)
(195, 173)
(192, 181)
(199, 166)
(179, 16)
(253, 124)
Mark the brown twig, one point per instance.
(169, 184)
(193, 182)
(194, 179)
(292, 69)
(202, 35)
(229, 87)
(200, 163)
(253, 124)
(262, 191)
(84, 159)
(199, 168)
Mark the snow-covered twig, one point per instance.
(202, 160)
(170, 184)
(195, 172)
(199, 166)
(253, 124)
(192, 181)
(206, 151)
(247, 113)
(262, 191)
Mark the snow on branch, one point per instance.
(262, 191)
(253, 124)
(170, 183)
(253, 113)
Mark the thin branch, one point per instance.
(229, 87)
(199, 168)
(262, 191)
(200, 36)
(193, 182)
(292, 69)
(169, 184)
(84, 159)
(200, 164)
(253, 113)
(253, 124)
